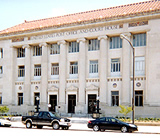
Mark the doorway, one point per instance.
(53, 102)
(91, 103)
(71, 103)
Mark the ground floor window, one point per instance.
(20, 98)
(139, 98)
(115, 98)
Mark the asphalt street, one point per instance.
(71, 134)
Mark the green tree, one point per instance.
(125, 110)
(4, 109)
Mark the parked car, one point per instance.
(45, 118)
(110, 123)
(4, 122)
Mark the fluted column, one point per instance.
(126, 72)
(27, 82)
(62, 75)
(44, 76)
(103, 69)
(82, 75)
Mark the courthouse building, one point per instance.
(68, 61)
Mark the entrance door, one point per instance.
(91, 103)
(71, 103)
(53, 102)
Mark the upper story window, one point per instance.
(21, 71)
(1, 70)
(94, 44)
(73, 47)
(1, 52)
(115, 42)
(140, 65)
(37, 50)
(55, 69)
(139, 40)
(73, 67)
(55, 49)
(37, 70)
(115, 65)
(20, 52)
(93, 66)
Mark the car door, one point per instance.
(103, 123)
(114, 124)
(46, 119)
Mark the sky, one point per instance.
(14, 12)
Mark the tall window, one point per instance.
(55, 69)
(21, 71)
(1, 52)
(20, 98)
(115, 65)
(139, 39)
(1, 70)
(35, 98)
(115, 98)
(93, 66)
(0, 98)
(37, 70)
(55, 49)
(37, 50)
(115, 42)
(94, 44)
(20, 52)
(73, 47)
(73, 67)
(138, 98)
(139, 65)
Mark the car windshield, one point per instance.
(54, 115)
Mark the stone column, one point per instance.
(103, 69)
(82, 75)
(44, 77)
(62, 75)
(27, 82)
(126, 72)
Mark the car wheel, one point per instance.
(96, 128)
(124, 129)
(28, 124)
(55, 126)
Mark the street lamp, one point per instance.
(122, 36)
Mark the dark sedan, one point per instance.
(110, 123)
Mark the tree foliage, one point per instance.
(125, 110)
(4, 109)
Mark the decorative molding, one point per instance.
(72, 88)
(134, 24)
(53, 88)
(92, 87)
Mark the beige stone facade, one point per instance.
(71, 80)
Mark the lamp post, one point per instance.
(122, 36)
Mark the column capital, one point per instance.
(128, 34)
(26, 46)
(43, 44)
(61, 42)
(81, 39)
(102, 37)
